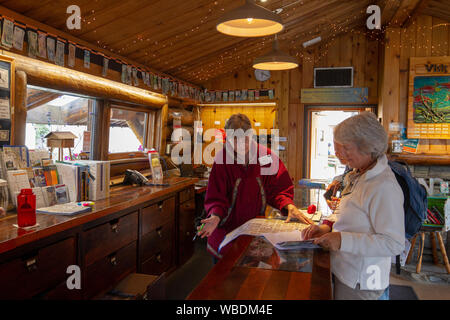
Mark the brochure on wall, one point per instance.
(19, 35)
(32, 43)
(42, 45)
(8, 33)
(4, 108)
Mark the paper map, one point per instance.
(259, 226)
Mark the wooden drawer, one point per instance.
(153, 241)
(187, 194)
(159, 214)
(106, 272)
(104, 239)
(186, 231)
(62, 293)
(187, 218)
(160, 262)
(38, 271)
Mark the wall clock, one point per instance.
(262, 75)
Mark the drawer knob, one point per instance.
(158, 258)
(159, 232)
(31, 264)
(160, 205)
(113, 261)
(115, 228)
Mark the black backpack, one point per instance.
(415, 202)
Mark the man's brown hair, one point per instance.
(238, 121)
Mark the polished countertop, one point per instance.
(121, 198)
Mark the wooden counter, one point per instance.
(136, 229)
(226, 281)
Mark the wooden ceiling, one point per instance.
(178, 37)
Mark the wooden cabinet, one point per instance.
(160, 261)
(107, 271)
(143, 238)
(158, 214)
(186, 225)
(106, 238)
(157, 243)
(37, 270)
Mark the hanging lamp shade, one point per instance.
(275, 60)
(250, 20)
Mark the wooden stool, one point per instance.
(433, 235)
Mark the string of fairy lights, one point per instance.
(162, 51)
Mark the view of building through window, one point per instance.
(49, 112)
(127, 131)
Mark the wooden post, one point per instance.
(444, 253)
(104, 138)
(20, 109)
(163, 131)
(45, 74)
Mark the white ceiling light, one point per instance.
(250, 20)
(275, 60)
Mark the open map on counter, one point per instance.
(260, 227)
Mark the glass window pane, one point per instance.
(49, 111)
(127, 131)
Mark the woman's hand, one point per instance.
(211, 224)
(293, 212)
(330, 241)
(333, 203)
(2, 212)
(314, 231)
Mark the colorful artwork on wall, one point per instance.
(431, 99)
(428, 98)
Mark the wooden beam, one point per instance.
(403, 13)
(19, 112)
(26, 20)
(44, 74)
(39, 99)
(415, 12)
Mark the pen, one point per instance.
(201, 228)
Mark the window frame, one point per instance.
(149, 130)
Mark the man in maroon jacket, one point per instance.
(238, 190)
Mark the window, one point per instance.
(50, 111)
(128, 130)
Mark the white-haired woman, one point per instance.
(367, 227)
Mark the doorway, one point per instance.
(322, 163)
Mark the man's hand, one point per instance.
(211, 224)
(330, 241)
(314, 231)
(293, 212)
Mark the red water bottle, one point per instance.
(26, 208)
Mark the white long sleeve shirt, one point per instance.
(371, 222)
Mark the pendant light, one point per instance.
(275, 59)
(250, 20)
